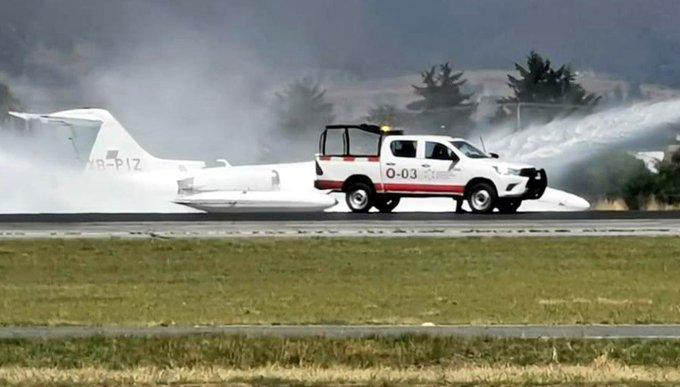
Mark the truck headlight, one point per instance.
(506, 171)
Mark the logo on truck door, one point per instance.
(404, 173)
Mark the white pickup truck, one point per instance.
(376, 166)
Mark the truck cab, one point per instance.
(377, 166)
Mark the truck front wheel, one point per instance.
(386, 203)
(359, 197)
(482, 198)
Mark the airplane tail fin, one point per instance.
(104, 144)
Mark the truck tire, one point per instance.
(386, 203)
(482, 198)
(508, 206)
(359, 197)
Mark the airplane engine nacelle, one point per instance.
(231, 180)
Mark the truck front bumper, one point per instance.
(537, 183)
(530, 184)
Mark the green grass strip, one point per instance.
(353, 281)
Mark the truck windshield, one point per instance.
(469, 150)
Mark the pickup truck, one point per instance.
(376, 166)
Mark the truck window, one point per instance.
(403, 148)
(363, 143)
(438, 151)
(335, 143)
(469, 150)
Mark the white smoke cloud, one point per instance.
(566, 141)
(41, 174)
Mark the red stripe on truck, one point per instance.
(434, 188)
(327, 184)
(457, 189)
(348, 158)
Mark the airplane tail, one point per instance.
(103, 143)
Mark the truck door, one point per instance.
(400, 169)
(441, 172)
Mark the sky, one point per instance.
(168, 68)
(367, 38)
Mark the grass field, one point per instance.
(401, 280)
(404, 360)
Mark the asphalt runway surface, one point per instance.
(357, 331)
(187, 225)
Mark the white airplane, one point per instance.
(212, 189)
(108, 149)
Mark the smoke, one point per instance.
(190, 78)
(41, 173)
(180, 83)
(562, 143)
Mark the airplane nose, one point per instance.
(581, 203)
(574, 203)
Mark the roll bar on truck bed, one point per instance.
(382, 131)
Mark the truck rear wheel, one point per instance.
(359, 197)
(508, 206)
(482, 198)
(386, 203)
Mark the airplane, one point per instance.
(113, 152)
(107, 149)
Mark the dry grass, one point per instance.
(610, 205)
(597, 372)
(620, 205)
(313, 361)
(654, 205)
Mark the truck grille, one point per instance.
(528, 172)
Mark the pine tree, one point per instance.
(540, 83)
(442, 89)
(302, 107)
(539, 87)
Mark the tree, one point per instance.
(384, 114)
(444, 106)
(302, 107)
(7, 102)
(668, 179)
(540, 83)
(442, 89)
(605, 176)
(300, 111)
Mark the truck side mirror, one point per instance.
(493, 155)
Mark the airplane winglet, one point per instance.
(27, 116)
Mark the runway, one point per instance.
(188, 225)
(357, 331)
